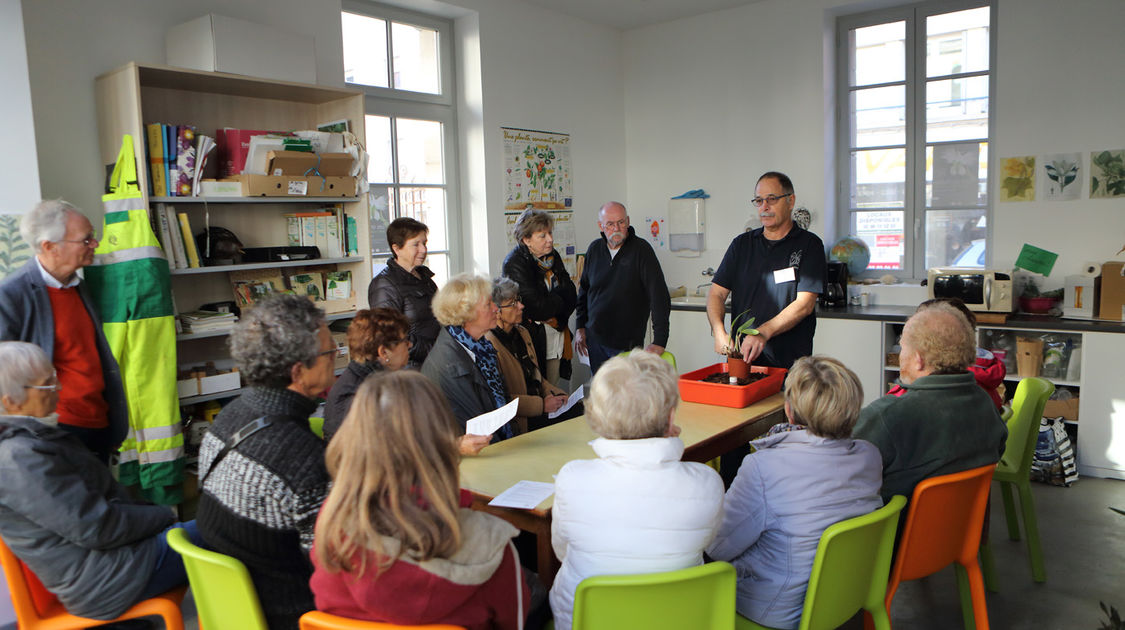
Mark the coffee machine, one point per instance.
(835, 285)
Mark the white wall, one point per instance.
(19, 170)
(715, 100)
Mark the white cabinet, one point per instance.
(1101, 407)
(690, 340)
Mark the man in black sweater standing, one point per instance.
(621, 285)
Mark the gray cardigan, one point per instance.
(450, 368)
(25, 315)
(77, 529)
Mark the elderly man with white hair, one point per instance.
(47, 304)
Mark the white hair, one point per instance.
(632, 397)
(46, 222)
(20, 364)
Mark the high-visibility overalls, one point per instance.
(131, 286)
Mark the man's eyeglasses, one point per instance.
(769, 200)
(55, 387)
(86, 242)
(326, 353)
(511, 304)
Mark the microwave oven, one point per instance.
(980, 289)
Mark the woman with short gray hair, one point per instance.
(261, 467)
(547, 292)
(61, 511)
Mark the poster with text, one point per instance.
(537, 170)
(564, 235)
(1060, 174)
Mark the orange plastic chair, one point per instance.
(943, 527)
(317, 620)
(37, 608)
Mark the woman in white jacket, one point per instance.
(638, 508)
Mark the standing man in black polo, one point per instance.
(621, 284)
(775, 272)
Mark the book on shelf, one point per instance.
(162, 234)
(155, 135)
(189, 240)
(207, 321)
(253, 285)
(185, 159)
(353, 236)
(338, 285)
(170, 158)
(204, 148)
(174, 246)
(309, 284)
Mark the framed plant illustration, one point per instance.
(1017, 178)
(1107, 174)
(1060, 176)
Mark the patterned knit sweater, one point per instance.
(260, 503)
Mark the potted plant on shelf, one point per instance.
(736, 367)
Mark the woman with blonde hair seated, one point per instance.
(802, 477)
(394, 541)
(462, 363)
(638, 508)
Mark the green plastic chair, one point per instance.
(1014, 469)
(316, 425)
(850, 571)
(667, 356)
(224, 594)
(701, 598)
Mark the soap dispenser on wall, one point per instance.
(686, 220)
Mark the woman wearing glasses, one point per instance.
(518, 361)
(548, 293)
(377, 342)
(61, 511)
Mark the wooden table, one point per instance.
(708, 431)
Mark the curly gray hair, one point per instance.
(275, 334)
(46, 222)
(504, 289)
(20, 364)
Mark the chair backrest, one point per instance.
(317, 620)
(943, 524)
(700, 597)
(224, 593)
(1023, 427)
(670, 358)
(31, 601)
(853, 561)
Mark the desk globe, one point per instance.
(853, 252)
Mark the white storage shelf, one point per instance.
(267, 265)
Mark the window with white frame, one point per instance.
(915, 89)
(403, 61)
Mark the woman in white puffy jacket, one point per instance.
(637, 508)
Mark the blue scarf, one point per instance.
(489, 366)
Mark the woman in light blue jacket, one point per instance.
(802, 477)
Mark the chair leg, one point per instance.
(988, 566)
(1010, 511)
(974, 607)
(1031, 526)
(966, 596)
(882, 621)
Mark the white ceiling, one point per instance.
(627, 14)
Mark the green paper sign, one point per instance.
(1036, 260)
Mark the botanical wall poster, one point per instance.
(1017, 178)
(537, 170)
(1060, 176)
(957, 175)
(1107, 174)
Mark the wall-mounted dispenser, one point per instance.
(686, 220)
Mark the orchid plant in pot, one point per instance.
(736, 366)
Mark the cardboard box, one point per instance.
(187, 387)
(220, 382)
(1110, 287)
(296, 186)
(220, 188)
(1066, 408)
(338, 306)
(299, 163)
(215, 43)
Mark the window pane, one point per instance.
(880, 116)
(415, 58)
(380, 169)
(883, 233)
(957, 42)
(428, 206)
(878, 178)
(955, 238)
(365, 50)
(878, 54)
(381, 212)
(420, 152)
(439, 264)
(957, 175)
(957, 109)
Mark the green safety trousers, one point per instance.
(131, 287)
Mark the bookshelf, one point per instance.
(136, 94)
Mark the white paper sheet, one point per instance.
(525, 495)
(570, 402)
(486, 423)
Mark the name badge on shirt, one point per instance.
(784, 275)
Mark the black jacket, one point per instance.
(343, 391)
(455, 374)
(539, 304)
(401, 290)
(617, 294)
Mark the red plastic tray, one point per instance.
(693, 389)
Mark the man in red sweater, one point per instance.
(45, 303)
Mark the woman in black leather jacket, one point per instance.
(407, 285)
(546, 290)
